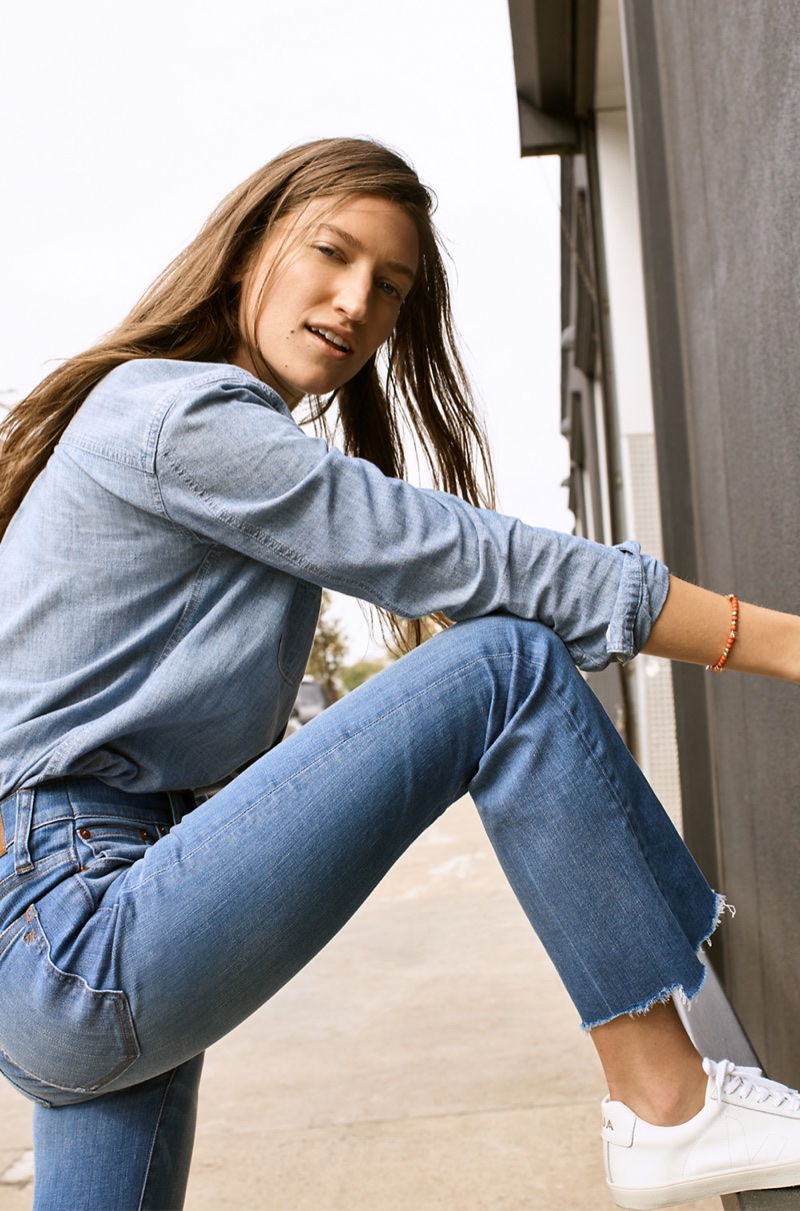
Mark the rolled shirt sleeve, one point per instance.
(233, 466)
(643, 588)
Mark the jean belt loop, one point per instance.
(180, 803)
(22, 830)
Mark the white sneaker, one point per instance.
(746, 1137)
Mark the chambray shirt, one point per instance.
(160, 583)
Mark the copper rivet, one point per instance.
(144, 834)
(162, 828)
(85, 833)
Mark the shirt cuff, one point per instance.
(643, 589)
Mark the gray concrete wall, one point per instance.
(716, 118)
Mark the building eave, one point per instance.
(555, 46)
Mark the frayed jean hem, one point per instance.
(680, 991)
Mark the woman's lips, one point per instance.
(331, 340)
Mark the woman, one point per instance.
(169, 529)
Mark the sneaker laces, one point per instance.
(744, 1081)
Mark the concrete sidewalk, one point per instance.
(427, 1060)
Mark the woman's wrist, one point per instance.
(695, 625)
(768, 643)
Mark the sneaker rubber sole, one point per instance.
(709, 1186)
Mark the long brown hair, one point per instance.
(191, 313)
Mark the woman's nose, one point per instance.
(353, 295)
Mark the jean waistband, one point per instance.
(78, 798)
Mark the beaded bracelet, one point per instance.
(720, 665)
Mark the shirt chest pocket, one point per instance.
(298, 636)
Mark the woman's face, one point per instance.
(320, 305)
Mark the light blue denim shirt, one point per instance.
(160, 583)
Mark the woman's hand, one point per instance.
(694, 626)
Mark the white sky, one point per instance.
(125, 125)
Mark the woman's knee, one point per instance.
(504, 634)
(510, 656)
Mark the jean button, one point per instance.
(85, 833)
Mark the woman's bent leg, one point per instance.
(219, 914)
(216, 916)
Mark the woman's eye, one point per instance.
(390, 291)
(326, 250)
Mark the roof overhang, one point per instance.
(555, 45)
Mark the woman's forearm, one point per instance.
(694, 624)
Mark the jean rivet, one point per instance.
(143, 833)
(85, 833)
(162, 828)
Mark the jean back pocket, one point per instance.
(61, 1036)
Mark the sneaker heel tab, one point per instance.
(618, 1124)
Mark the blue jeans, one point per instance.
(130, 944)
